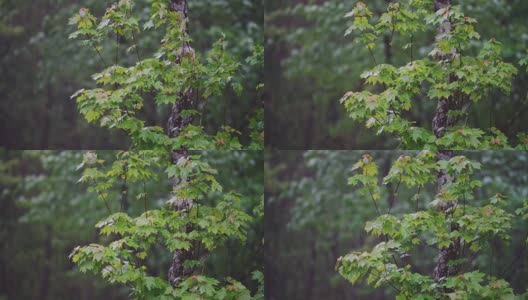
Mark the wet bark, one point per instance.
(452, 252)
(441, 122)
(177, 122)
(177, 271)
(175, 126)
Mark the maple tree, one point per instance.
(450, 224)
(449, 75)
(176, 75)
(189, 221)
(187, 227)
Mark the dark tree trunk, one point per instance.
(308, 127)
(46, 116)
(387, 42)
(452, 252)
(46, 270)
(310, 278)
(387, 48)
(177, 271)
(175, 125)
(124, 190)
(177, 122)
(441, 122)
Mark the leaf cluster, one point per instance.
(213, 223)
(119, 100)
(471, 227)
(448, 72)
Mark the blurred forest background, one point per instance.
(310, 65)
(313, 217)
(41, 68)
(45, 214)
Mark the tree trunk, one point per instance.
(441, 122)
(46, 270)
(175, 125)
(312, 266)
(387, 42)
(124, 190)
(177, 271)
(442, 270)
(176, 122)
(308, 127)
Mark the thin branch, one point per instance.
(225, 110)
(102, 197)
(423, 240)
(379, 214)
(117, 48)
(467, 113)
(374, 201)
(519, 112)
(412, 43)
(464, 205)
(124, 189)
(394, 259)
(491, 257)
(377, 120)
(97, 50)
(134, 40)
(394, 194)
(390, 282)
(100, 56)
(516, 258)
(137, 50)
(144, 197)
(372, 55)
(393, 28)
(416, 207)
